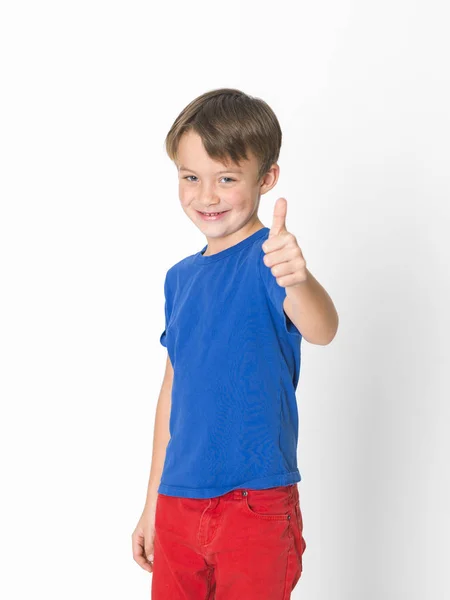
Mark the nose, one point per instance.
(209, 206)
(207, 197)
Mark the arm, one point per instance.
(311, 309)
(307, 304)
(161, 437)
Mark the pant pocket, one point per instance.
(271, 504)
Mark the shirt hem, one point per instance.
(255, 484)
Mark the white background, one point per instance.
(90, 222)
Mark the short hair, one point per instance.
(230, 123)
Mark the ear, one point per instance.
(269, 180)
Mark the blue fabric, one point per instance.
(236, 360)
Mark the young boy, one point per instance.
(222, 517)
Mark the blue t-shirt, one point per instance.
(236, 360)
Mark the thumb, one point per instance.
(279, 217)
(149, 552)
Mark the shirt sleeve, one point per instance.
(167, 310)
(276, 294)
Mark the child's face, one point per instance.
(235, 192)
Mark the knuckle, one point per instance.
(291, 237)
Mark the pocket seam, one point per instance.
(266, 516)
(297, 514)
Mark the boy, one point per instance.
(222, 517)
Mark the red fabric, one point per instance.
(246, 544)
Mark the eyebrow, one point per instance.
(182, 168)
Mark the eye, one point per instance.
(188, 176)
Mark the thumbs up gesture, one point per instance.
(281, 251)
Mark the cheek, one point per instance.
(185, 197)
(236, 199)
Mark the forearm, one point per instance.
(161, 437)
(311, 309)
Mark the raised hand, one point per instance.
(281, 251)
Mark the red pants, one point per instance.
(244, 545)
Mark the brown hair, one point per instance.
(230, 123)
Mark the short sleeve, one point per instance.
(167, 310)
(276, 293)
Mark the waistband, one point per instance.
(291, 490)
